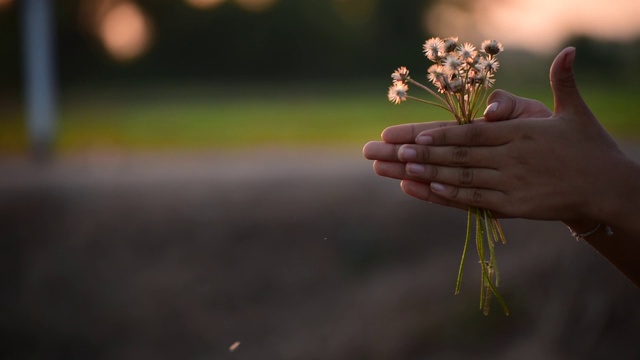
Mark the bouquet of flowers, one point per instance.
(462, 75)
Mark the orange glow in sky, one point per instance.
(5, 3)
(536, 25)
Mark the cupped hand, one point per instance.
(386, 153)
(541, 167)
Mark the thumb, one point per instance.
(506, 106)
(566, 96)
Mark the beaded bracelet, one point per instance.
(578, 237)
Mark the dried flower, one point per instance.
(452, 64)
(467, 52)
(433, 49)
(435, 73)
(492, 47)
(401, 74)
(450, 44)
(455, 86)
(489, 65)
(398, 92)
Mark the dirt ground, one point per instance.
(280, 254)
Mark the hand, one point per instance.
(502, 106)
(556, 167)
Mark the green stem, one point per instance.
(464, 250)
(427, 102)
(420, 85)
(486, 279)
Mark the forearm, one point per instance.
(621, 249)
(618, 210)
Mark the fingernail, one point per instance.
(493, 107)
(437, 187)
(413, 168)
(424, 139)
(407, 153)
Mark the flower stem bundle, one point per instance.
(461, 76)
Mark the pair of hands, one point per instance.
(559, 165)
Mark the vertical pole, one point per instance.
(38, 64)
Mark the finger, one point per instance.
(566, 96)
(423, 191)
(394, 170)
(476, 134)
(406, 133)
(378, 150)
(479, 157)
(505, 106)
(457, 176)
(484, 198)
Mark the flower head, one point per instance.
(401, 74)
(452, 64)
(482, 78)
(455, 85)
(492, 47)
(435, 73)
(488, 65)
(450, 44)
(433, 49)
(467, 52)
(398, 92)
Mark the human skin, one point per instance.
(544, 165)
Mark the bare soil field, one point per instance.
(280, 254)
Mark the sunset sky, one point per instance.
(536, 25)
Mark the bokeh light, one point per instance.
(5, 3)
(125, 31)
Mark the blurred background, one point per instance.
(184, 179)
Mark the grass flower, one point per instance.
(467, 52)
(492, 47)
(433, 49)
(400, 75)
(450, 44)
(398, 92)
(462, 75)
(452, 64)
(488, 65)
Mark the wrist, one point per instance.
(618, 200)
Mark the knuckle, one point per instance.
(433, 172)
(465, 176)
(425, 153)
(455, 192)
(460, 155)
(567, 80)
(476, 197)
